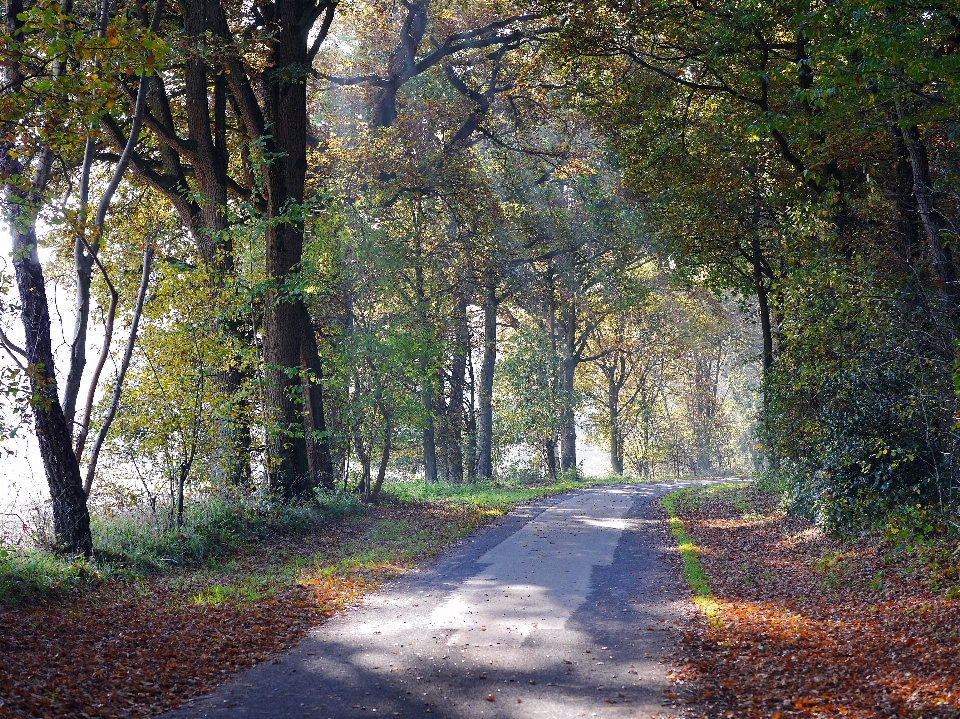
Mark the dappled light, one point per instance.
(808, 626)
(299, 294)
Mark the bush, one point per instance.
(859, 414)
(218, 525)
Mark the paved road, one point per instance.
(563, 609)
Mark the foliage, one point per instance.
(799, 158)
(529, 381)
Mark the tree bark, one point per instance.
(941, 255)
(384, 458)
(319, 459)
(616, 442)
(485, 395)
(285, 99)
(907, 214)
(429, 432)
(458, 371)
(763, 304)
(71, 519)
(568, 430)
(550, 455)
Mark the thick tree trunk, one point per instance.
(71, 520)
(485, 395)
(283, 326)
(206, 126)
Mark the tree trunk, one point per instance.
(71, 519)
(206, 127)
(364, 456)
(122, 371)
(471, 423)
(429, 433)
(384, 458)
(616, 443)
(907, 214)
(319, 460)
(485, 395)
(283, 327)
(550, 454)
(941, 255)
(568, 430)
(763, 303)
(458, 371)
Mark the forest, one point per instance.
(270, 251)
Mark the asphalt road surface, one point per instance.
(564, 608)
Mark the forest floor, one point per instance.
(127, 649)
(802, 625)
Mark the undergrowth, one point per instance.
(138, 542)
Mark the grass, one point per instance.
(692, 569)
(135, 545)
(27, 574)
(501, 495)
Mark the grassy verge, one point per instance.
(693, 571)
(134, 546)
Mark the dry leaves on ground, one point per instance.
(135, 649)
(810, 627)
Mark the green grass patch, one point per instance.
(133, 545)
(28, 574)
(501, 495)
(692, 569)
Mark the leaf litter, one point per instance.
(142, 647)
(809, 626)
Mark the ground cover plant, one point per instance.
(808, 625)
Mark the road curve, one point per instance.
(563, 608)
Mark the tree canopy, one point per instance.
(314, 244)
